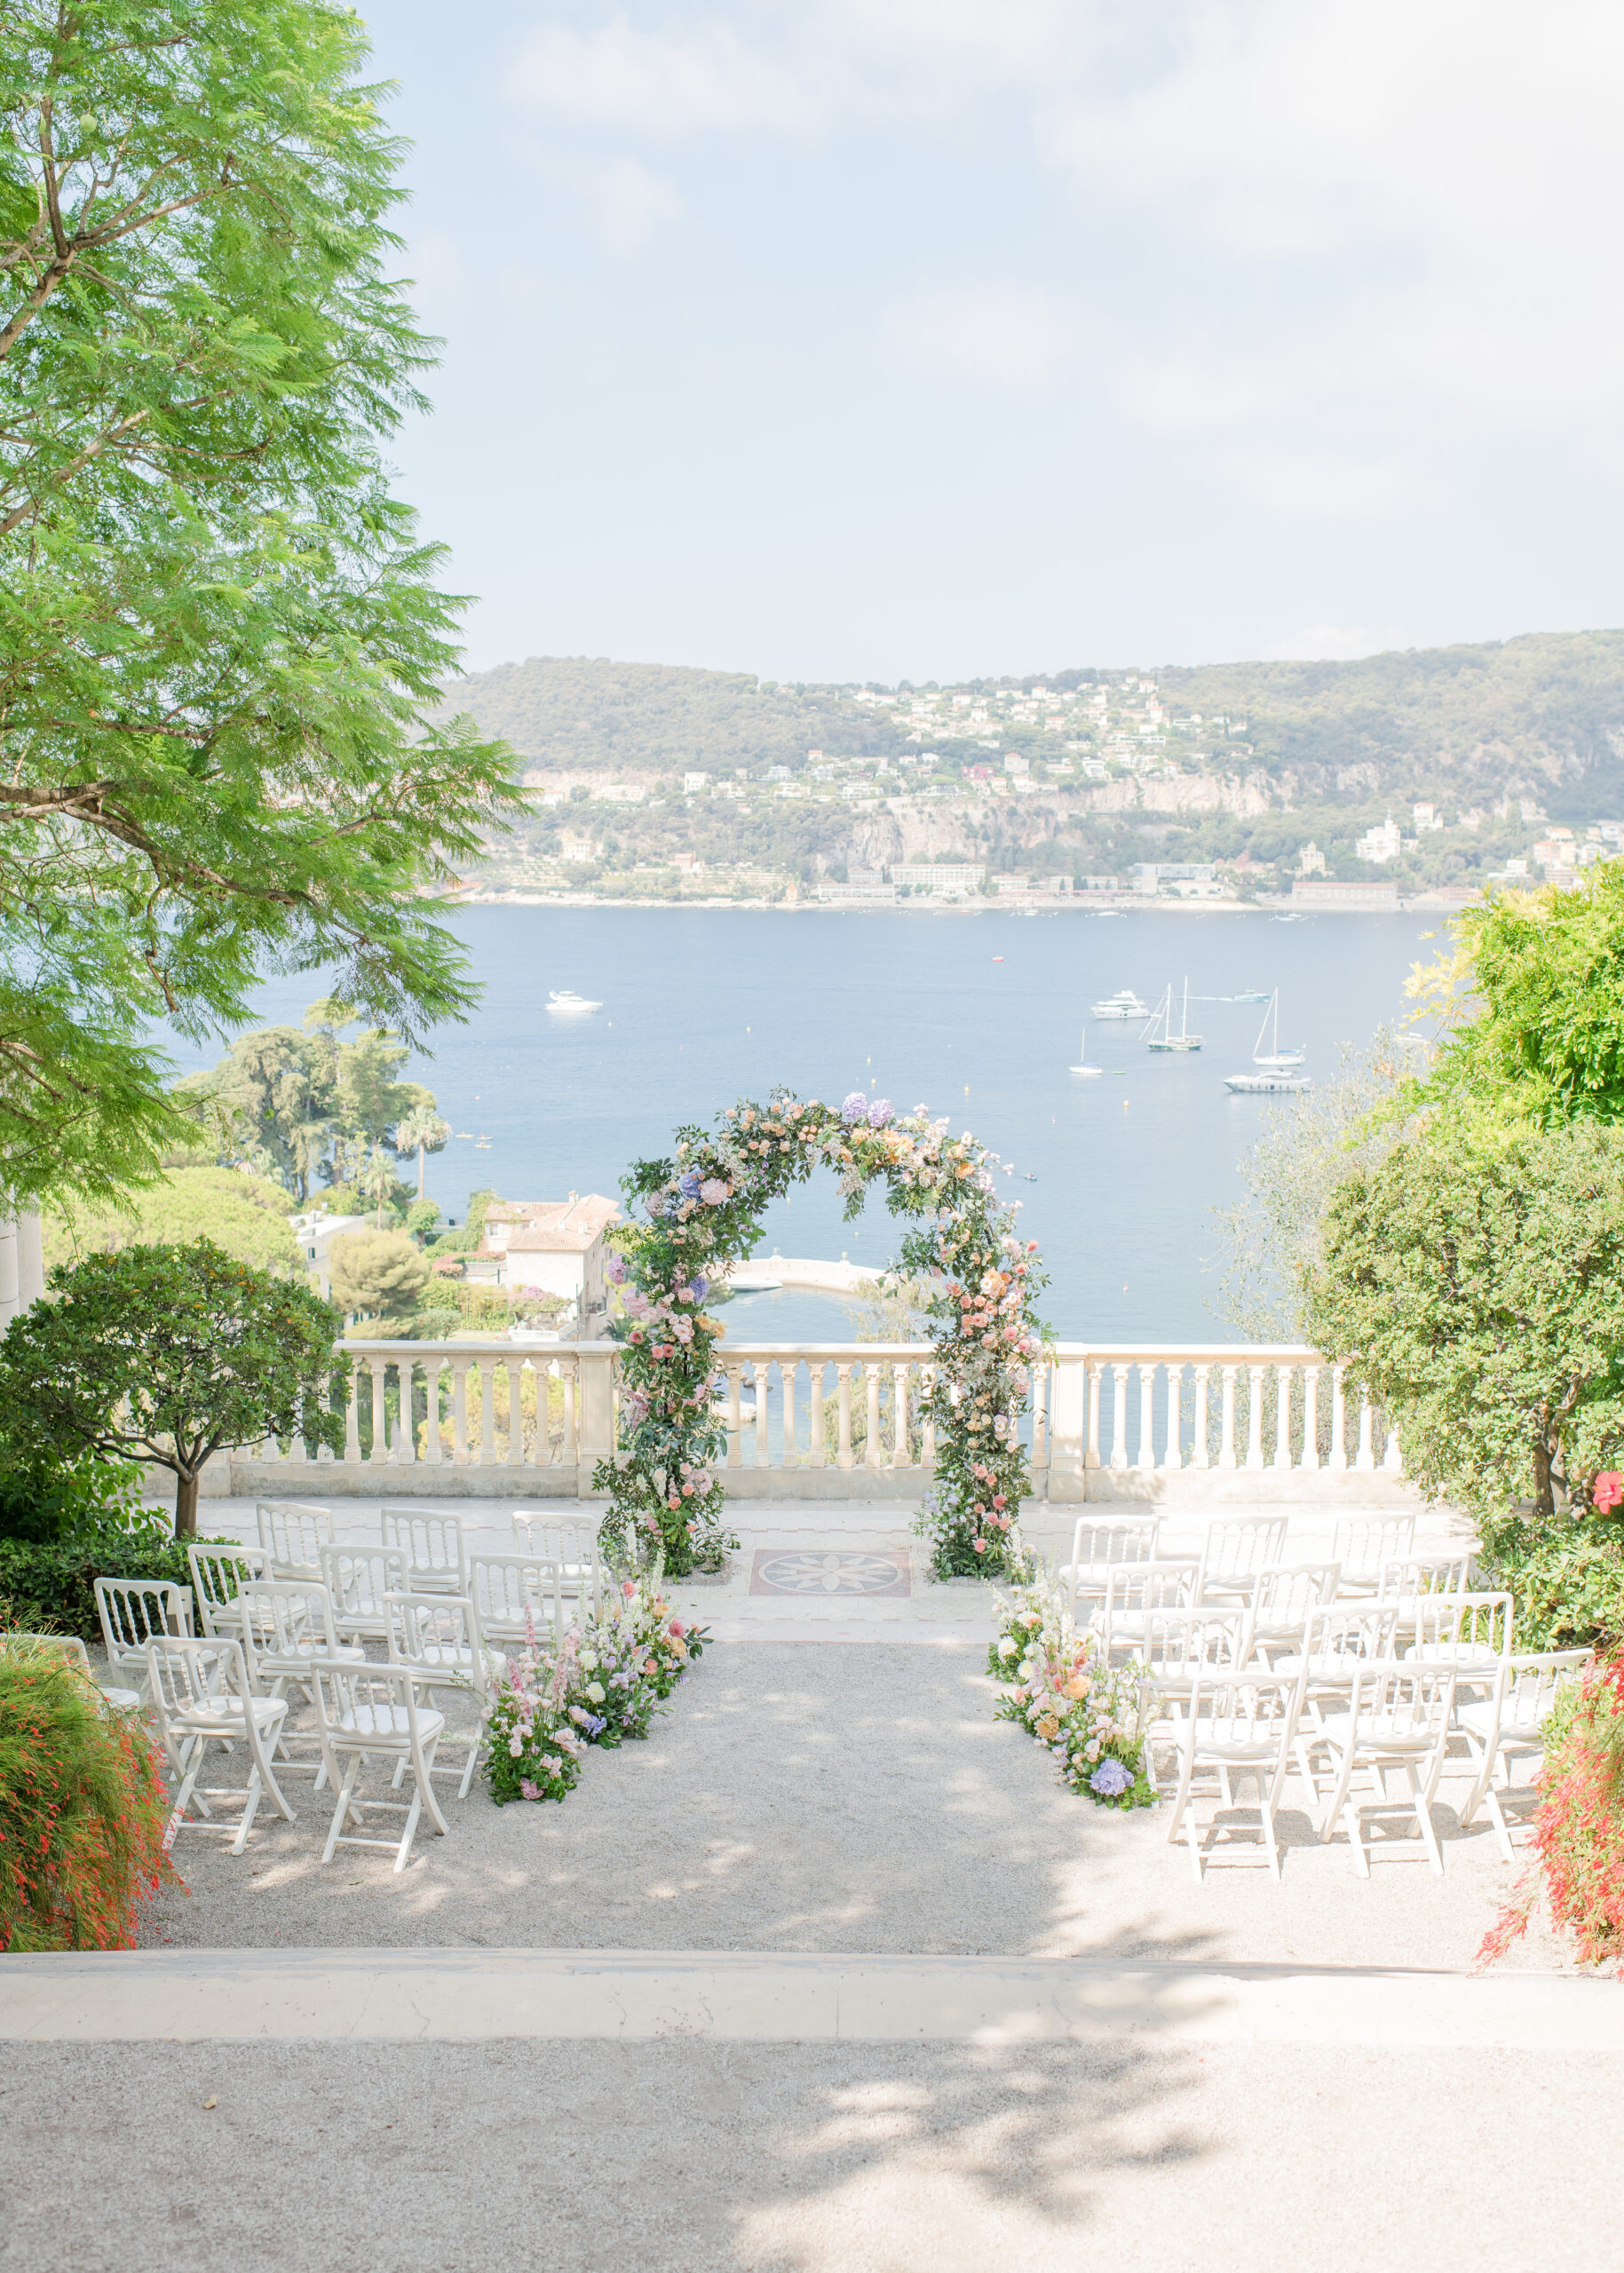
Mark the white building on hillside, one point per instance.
(1382, 842)
(552, 1246)
(315, 1232)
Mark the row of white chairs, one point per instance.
(294, 1534)
(1382, 1682)
(1237, 1548)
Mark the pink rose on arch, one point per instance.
(614, 1269)
(713, 1192)
(1608, 1489)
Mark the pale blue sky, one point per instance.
(880, 338)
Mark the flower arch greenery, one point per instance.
(697, 1213)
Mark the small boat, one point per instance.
(561, 1003)
(1159, 1034)
(997, 958)
(1125, 1005)
(1288, 919)
(482, 1143)
(1274, 1060)
(1268, 1085)
(1251, 994)
(1089, 1073)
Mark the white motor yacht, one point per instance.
(561, 1003)
(1125, 1005)
(1267, 1085)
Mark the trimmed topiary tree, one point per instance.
(167, 1355)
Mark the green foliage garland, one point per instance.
(702, 1213)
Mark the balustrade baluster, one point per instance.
(1310, 1417)
(1200, 1456)
(570, 1451)
(1119, 1415)
(1282, 1415)
(1173, 1453)
(819, 1437)
(788, 1367)
(758, 1375)
(1339, 1419)
(405, 1438)
(843, 1378)
(431, 1435)
(901, 1377)
(1254, 1419)
(486, 1369)
(1392, 1460)
(871, 1387)
(927, 1440)
(735, 1424)
(352, 1411)
(1090, 1458)
(378, 1369)
(1147, 1455)
(1366, 1456)
(459, 1413)
(1226, 1448)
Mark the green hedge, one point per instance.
(50, 1586)
(1568, 1580)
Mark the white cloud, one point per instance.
(1333, 643)
(663, 85)
(1303, 481)
(1019, 341)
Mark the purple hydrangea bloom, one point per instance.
(1109, 1779)
(856, 1107)
(879, 1113)
(700, 1288)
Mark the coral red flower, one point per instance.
(1608, 1489)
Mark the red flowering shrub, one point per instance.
(1579, 1831)
(84, 1809)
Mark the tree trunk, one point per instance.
(185, 1504)
(1544, 1498)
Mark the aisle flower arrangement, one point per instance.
(1087, 1714)
(696, 1213)
(600, 1685)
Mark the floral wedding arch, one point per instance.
(700, 1214)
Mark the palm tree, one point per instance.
(422, 1131)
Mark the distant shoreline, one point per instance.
(1047, 904)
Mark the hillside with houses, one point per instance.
(1432, 772)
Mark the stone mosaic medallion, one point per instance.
(812, 1571)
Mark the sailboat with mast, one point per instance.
(1159, 1034)
(1089, 1073)
(1274, 1059)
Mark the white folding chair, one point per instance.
(201, 1695)
(516, 1597)
(1405, 1576)
(134, 1611)
(1105, 1544)
(70, 1645)
(1470, 1632)
(218, 1575)
(1398, 1715)
(1176, 1649)
(438, 1639)
(358, 1578)
(573, 1546)
(1512, 1719)
(288, 1626)
(292, 1534)
(1236, 1549)
(436, 1559)
(373, 1711)
(1362, 1544)
(1236, 1721)
(1134, 1591)
(1284, 1595)
(1338, 1640)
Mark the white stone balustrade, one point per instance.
(820, 1421)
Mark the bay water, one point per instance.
(977, 1015)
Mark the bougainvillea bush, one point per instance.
(1579, 1831)
(84, 1809)
(701, 1212)
(600, 1684)
(1087, 1713)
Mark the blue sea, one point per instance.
(977, 1015)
